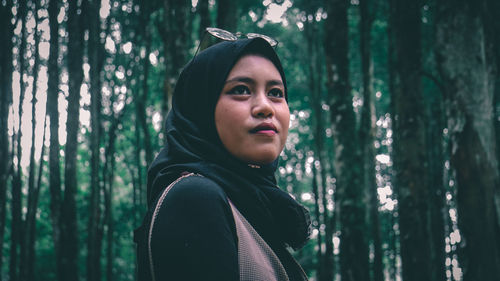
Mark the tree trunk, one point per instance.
(109, 174)
(367, 136)
(53, 113)
(36, 195)
(69, 231)
(6, 69)
(17, 244)
(227, 15)
(317, 223)
(108, 193)
(175, 34)
(466, 69)
(27, 268)
(410, 145)
(435, 123)
(205, 22)
(493, 44)
(354, 264)
(141, 97)
(325, 262)
(95, 62)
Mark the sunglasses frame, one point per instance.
(229, 36)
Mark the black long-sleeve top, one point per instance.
(194, 235)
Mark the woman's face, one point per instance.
(252, 115)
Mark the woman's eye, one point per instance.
(276, 93)
(239, 90)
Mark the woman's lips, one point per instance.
(265, 128)
(266, 132)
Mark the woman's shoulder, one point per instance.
(196, 188)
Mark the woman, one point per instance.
(215, 210)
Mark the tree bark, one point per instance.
(109, 171)
(493, 44)
(410, 145)
(6, 69)
(175, 35)
(354, 263)
(227, 15)
(69, 230)
(326, 264)
(27, 268)
(53, 113)
(17, 244)
(438, 213)
(367, 136)
(205, 22)
(95, 61)
(467, 71)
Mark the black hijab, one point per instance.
(193, 145)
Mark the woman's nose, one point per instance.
(262, 106)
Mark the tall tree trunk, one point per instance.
(466, 69)
(53, 113)
(141, 97)
(394, 248)
(410, 145)
(435, 123)
(325, 262)
(227, 15)
(109, 168)
(493, 43)
(109, 217)
(6, 68)
(318, 222)
(175, 34)
(354, 263)
(17, 244)
(27, 268)
(36, 195)
(142, 101)
(95, 62)
(205, 22)
(69, 231)
(367, 136)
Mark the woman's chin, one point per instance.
(261, 158)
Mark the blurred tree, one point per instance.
(227, 15)
(28, 253)
(96, 60)
(17, 244)
(326, 265)
(141, 97)
(69, 228)
(354, 264)
(367, 134)
(435, 124)
(412, 180)
(493, 45)
(205, 22)
(53, 112)
(466, 66)
(6, 67)
(175, 33)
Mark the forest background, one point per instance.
(393, 142)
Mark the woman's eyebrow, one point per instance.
(249, 80)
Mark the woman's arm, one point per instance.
(194, 235)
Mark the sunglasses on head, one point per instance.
(229, 36)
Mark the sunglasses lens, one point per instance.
(221, 34)
(270, 40)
